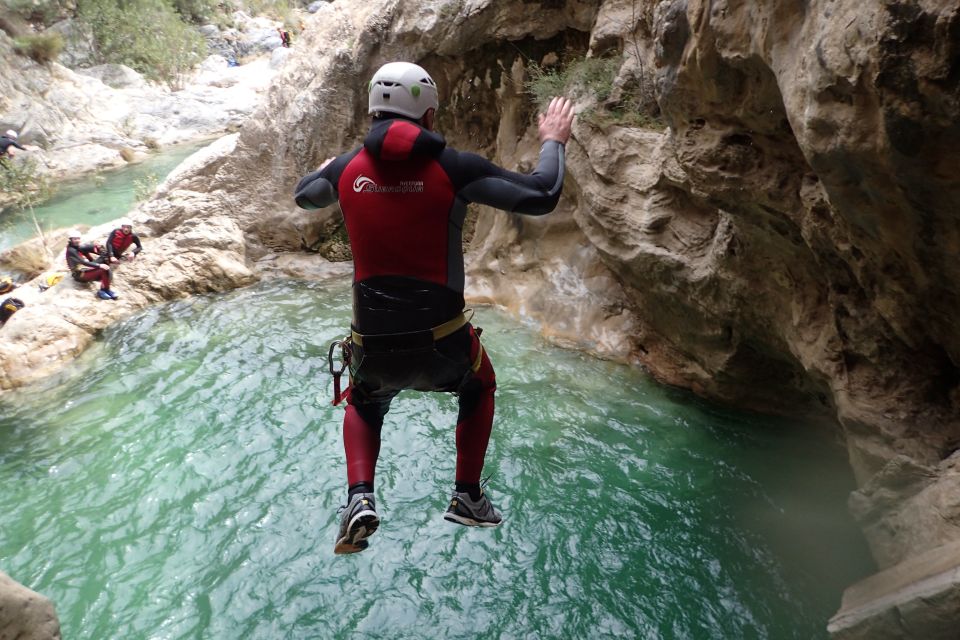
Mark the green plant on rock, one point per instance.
(275, 8)
(198, 11)
(578, 79)
(594, 80)
(43, 12)
(42, 47)
(22, 184)
(144, 186)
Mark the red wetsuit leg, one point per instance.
(361, 444)
(96, 274)
(475, 421)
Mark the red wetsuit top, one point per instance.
(118, 242)
(404, 197)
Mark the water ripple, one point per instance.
(182, 481)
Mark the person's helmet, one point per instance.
(125, 222)
(74, 233)
(10, 133)
(6, 284)
(402, 88)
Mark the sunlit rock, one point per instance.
(25, 614)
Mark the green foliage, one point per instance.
(42, 47)
(22, 184)
(43, 12)
(594, 79)
(144, 186)
(164, 51)
(198, 11)
(623, 117)
(588, 76)
(278, 9)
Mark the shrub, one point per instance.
(42, 47)
(43, 12)
(595, 78)
(23, 184)
(164, 51)
(275, 8)
(144, 186)
(199, 11)
(588, 76)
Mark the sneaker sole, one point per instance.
(469, 522)
(361, 526)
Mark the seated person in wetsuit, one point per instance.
(120, 240)
(83, 267)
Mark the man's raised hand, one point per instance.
(556, 122)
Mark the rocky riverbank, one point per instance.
(90, 118)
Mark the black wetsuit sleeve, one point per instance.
(319, 189)
(74, 258)
(7, 143)
(110, 244)
(476, 179)
(136, 241)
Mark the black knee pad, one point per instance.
(371, 412)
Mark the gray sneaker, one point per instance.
(358, 522)
(472, 513)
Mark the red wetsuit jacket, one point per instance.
(118, 242)
(404, 197)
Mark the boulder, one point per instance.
(25, 614)
(117, 76)
(279, 56)
(78, 50)
(315, 6)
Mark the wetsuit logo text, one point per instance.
(363, 184)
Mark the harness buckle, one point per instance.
(345, 355)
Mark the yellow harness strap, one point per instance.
(479, 359)
(439, 332)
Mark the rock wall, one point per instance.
(817, 136)
(784, 239)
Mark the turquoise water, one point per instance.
(92, 200)
(182, 481)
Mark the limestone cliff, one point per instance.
(784, 240)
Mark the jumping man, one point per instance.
(404, 196)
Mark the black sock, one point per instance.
(473, 488)
(360, 487)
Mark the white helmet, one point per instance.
(74, 233)
(402, 88)
(10, 133)
(125, 222)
